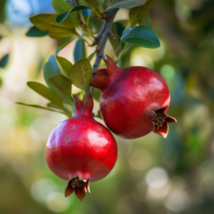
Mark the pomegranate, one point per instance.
(134, 100)
(81, 150)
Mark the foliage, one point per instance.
(59, 73)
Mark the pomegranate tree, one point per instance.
(134, 100)
(81, 150)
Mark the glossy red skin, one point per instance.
(128, 103)
(81, 147)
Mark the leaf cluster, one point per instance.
(85, 20)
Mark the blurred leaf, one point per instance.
(60, 18)
(51, 69)
(62, 6)
(46, 22)
(79, 50)
(94, 24)
(41, 107)
(90, 56)
(113, 41)
(64, 45)
(1, 82)
(4, 60)
(45, 92)
(64, 65)
(61, 83)
(138, 13)
(35, 32)
(126, 3)
(89, 3)
(146, 21)
(96, 94)
(81, 74)
(141, 36)
(52, 105)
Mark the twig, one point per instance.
(106, 28)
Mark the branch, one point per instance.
(103, 36)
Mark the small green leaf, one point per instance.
(64, 45)
(61, 17)
(35, 32)
(126, 3)
(4, 60)
(61, 83)
(46, 22)
(113, 41)
(141, 36)
(62, 6)
(136, 14)
(90, 57)
(41, 107)
(81, 74)
(146, 21)
(45, 92)
(51, 69)
(64, 66)
(79, 50)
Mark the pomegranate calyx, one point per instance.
(78, 186)
(83, 108)
(161, 120)
(100, 82)
(112, 68)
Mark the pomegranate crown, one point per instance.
(83, 108)
(104, 76)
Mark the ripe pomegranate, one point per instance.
(81, 150)
(134, 100)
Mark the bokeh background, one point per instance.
(152, 175)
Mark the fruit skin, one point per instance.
(133, 100)
(81, 148)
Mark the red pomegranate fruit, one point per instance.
(81, 150)
(134, 100)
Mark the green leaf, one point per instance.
(35, 32)
(41, 107)
(81, 74)
(146, 21)
(126, 3)
(4, 60)
(79, 50)
(51, 69)
(141, 36)
(62, 6)
(113, 41)
(90, 57)
(61, 83)
(64, 66)
(46, 22)
(45, 92)
(64, 45)
(60, 18)
(136, 14)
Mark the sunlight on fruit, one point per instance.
(57, 202)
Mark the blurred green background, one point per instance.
(152, 175)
